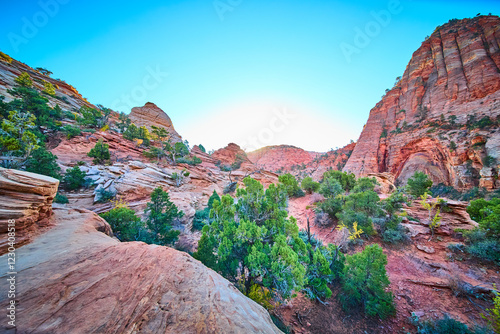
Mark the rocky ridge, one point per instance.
(67, 96)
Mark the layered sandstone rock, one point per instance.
(454, 74)
(385, 182)
(68, 97)
(70, 151)
(134, 181)
(150, 115)
(25, 198)
(454, 217)
(75, 279)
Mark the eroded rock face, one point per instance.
(453, 74)
(25, 198)
(75, 279)
(385, 182)
(150, 115)
(70, 151)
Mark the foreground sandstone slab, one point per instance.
(25, 198)
(77, 279)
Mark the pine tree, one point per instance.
(419, 184)
(161, 213)
(309, 185)
(43, 162)
(124, 222)
(17, 138)
(291, 185)
(253, 241)
(74, 178)
(100, 152)
(365, 281)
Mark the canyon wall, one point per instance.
(66, 95)
(442, 115)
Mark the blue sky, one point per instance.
(253, 72)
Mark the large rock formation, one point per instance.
(150, 115)
(231, 154)
(416, 126)
(454, 216)
(281, 157)
(25, 198)
(294, 160)
(76, 279)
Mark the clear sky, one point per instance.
(253, 72)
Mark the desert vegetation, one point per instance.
(155, 229)
(339, 241)
(256, 245)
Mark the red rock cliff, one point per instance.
(424, 122)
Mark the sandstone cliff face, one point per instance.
(149, 115)
(25, 198)
(452, 76)
(75, 279)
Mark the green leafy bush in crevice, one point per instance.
(291, 185)
(202, 217)
(365, 282)
(61, 199)
(483, 242)
(74, 179)
(419, 184)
